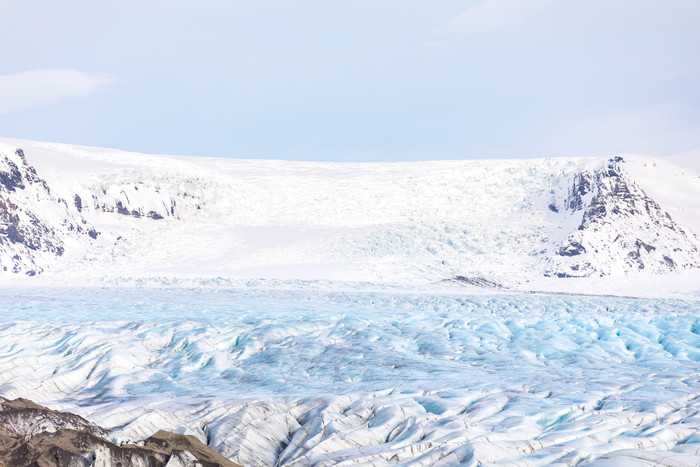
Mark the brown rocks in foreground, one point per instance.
(35, 436)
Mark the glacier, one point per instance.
(319, 377)
(510, 312)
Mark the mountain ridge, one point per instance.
(120, 214)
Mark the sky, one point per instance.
(354, 80)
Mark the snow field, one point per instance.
(325, 378)
(381, 222)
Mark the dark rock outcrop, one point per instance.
(26, 418)
(32, 435)
(475, 281)
(11, 178)
(141, 200)
(580, 188)
(78, 203)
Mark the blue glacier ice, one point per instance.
(300, 377)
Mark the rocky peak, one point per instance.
(10, 177)
(622, 229)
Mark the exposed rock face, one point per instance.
(122, 196)
(25, 232)
(32, 435)
(475, 281)
(36, 225)
(26, 418)
(621, 230)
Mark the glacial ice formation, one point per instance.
(311, 377)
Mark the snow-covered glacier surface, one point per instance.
(90, 216)
(312, 377)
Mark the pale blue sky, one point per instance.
(354, 80)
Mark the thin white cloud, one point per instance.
(37, 88)
(493, 14)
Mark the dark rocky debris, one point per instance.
(35, 436)
(581, 187)
(476, 281)
(26, 418)
(125, 209)
(572, 248)
(121, 209)
(11, 178)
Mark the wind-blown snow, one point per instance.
(310, 377)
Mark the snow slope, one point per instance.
(509, 221)
(689, 160)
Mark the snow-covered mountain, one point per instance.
(70, 211)
(621, 229)
(37, 225)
